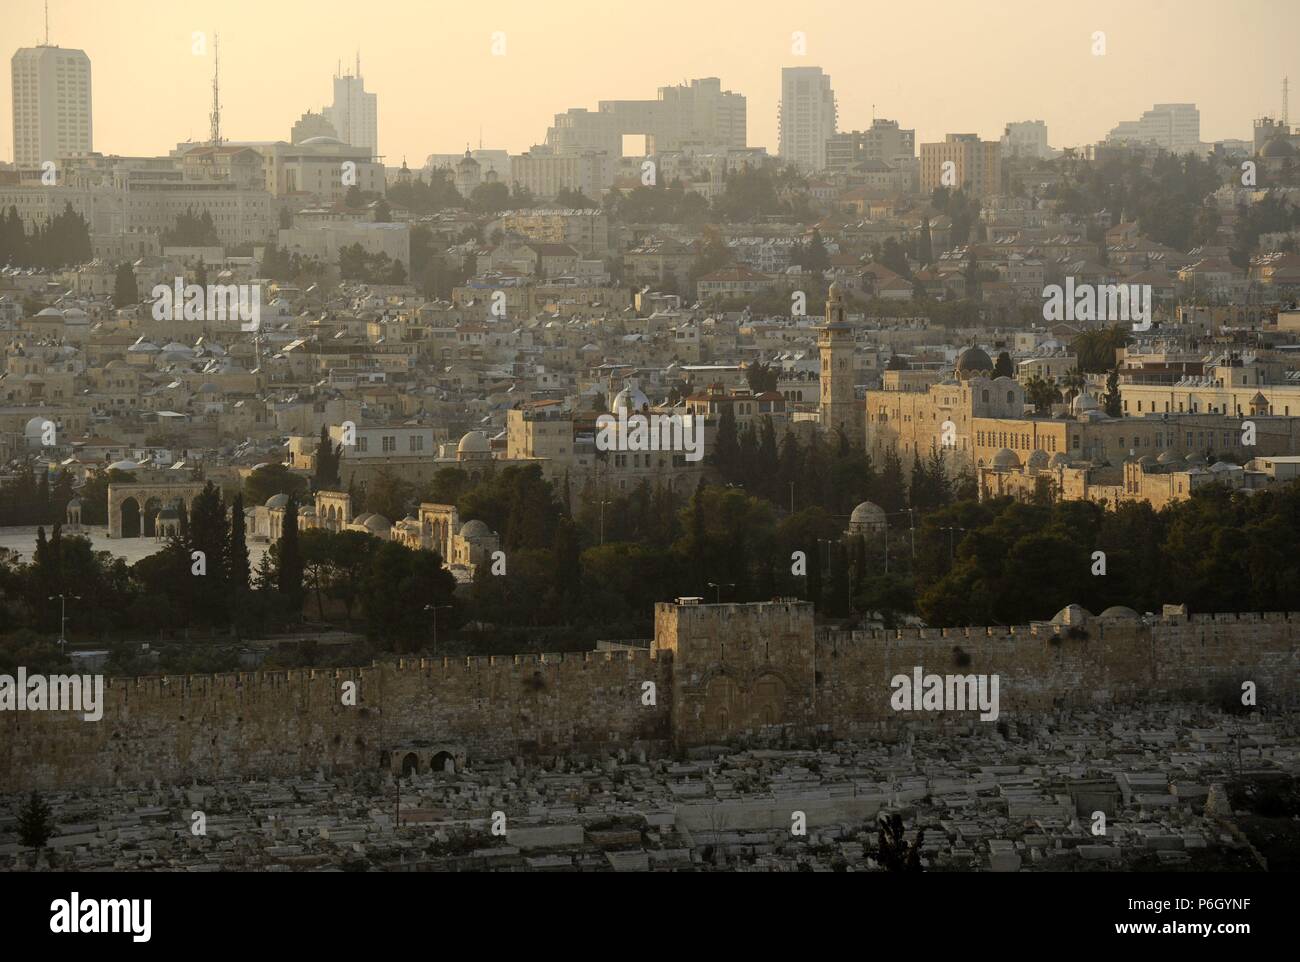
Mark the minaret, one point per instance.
(840, 409)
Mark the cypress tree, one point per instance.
(291, 566)
(726, 448)
(237, 548)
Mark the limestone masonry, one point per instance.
(737, 673)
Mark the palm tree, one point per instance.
(893, 851)
(1073, 382)
(1041, 394)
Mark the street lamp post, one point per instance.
(720, 587)
(952, 550)
(602, 520)
(435, 609)
(63, 617)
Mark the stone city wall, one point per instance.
(757, 673)
(284, 723)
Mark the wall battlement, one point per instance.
(720, 673)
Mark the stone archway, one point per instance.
(439, 762)
(410, 764)
(140, 494)
(149, 522)
(129, 523)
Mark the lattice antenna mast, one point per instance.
(215, 116)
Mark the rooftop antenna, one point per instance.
(216, 91)
(358, 63)
(1286, 107)
(47, 23)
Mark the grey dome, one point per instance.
(475, 530)
(1006, 458)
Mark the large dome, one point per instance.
(866, 517)
(1277, 149)
(1083, 403)
(973, 361)
(475, 442)
(631, 400)
(277, 501)
(1006, 459)
(475, 530)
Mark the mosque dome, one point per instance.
(474, 442)
(972, 361)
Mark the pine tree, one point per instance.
(35, 826)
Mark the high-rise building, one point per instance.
(696, 115)
(1175, 127)
(976, 165)
(884, 143)
(1026, 139)
(808, 117)
(355, 113)
(51, 104)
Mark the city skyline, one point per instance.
(509, 100)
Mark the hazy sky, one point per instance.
(936, 65)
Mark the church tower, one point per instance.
(840, 409)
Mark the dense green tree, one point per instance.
(125, 291)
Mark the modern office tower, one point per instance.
(696, 115)
(807, 118)
(885, 143)
(976, 165)
(51, 104)
(355, 113)
(1175, 127)
(1026, 139)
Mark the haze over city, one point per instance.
(960, 66)
(628, 438)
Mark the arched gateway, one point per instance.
(130, 503)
